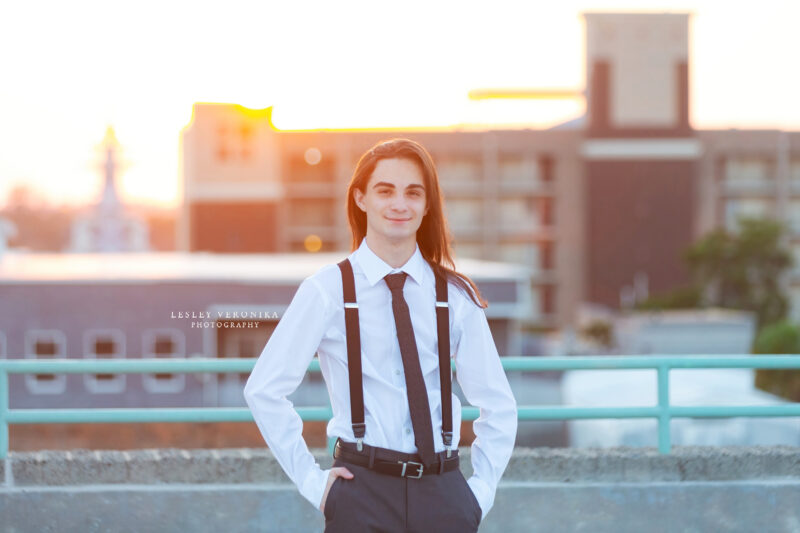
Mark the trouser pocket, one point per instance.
(470, 497)
(330, 501)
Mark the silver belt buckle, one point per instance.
(420, 467)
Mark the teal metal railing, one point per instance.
(663, 412)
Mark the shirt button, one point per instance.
(397, 372)
(408, 431)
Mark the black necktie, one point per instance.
(417, 394)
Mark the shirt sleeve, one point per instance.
(482, 379)
(277, 373)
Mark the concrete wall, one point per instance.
(544, 489)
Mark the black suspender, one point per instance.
(354, 356)
(443, 327)
(353, 352)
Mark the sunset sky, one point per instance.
(70, 69)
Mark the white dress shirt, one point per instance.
(314, 322)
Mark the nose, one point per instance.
(399, 204)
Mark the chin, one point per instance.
(400, 235)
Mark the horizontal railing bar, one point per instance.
(511, 363)
(150, 414)
(323, 414)
(558, 412)
(721, 411)
(662, 364)
(650, 362)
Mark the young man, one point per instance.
(380, 322)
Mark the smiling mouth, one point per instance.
(399, 219)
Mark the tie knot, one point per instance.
(395, 281)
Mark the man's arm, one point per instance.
(480, 374)
(277, 373)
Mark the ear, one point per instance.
(358, 196)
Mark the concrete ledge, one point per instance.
(246, 465)
(616, 490)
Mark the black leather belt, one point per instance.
(392, 462)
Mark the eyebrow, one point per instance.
(387, 184)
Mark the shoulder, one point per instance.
(460, 298)
(327, 281)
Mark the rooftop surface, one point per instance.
(29, 267)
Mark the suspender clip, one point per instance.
(358, 432)
(447, 437)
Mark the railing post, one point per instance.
(4, 393)
(664, 438)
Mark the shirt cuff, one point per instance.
(483, 493)
(314, 486)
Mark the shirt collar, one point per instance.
(375, 268)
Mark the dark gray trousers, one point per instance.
(373, 502)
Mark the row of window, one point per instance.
(736, 208)
(314, 166)
(754, 169)
(102, 344)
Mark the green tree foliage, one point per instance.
(743, 270)
(601, 332)
(688, 297)
(734, 270)
(780, 338)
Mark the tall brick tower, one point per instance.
(640, 155)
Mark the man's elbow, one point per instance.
(512, 412)
(249, 390)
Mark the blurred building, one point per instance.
(108, 226)
(686, 332)
(599, 208)
(177, 305)
(7, 230)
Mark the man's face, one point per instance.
(394, 200)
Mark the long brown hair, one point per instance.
(433, 235)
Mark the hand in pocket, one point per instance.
(336, 471)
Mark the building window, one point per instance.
(472, 250)
(45, 344)
(522, 253)
(745, 208)
(104, 344)
(311, 166)
(464, 214)
(223, 150)
(164, 343)
(793, 217)
(234, 143)
(312, 212)
(521, 214)
(796, 258)
(794, 304)
(243, 342)
(518, 168)
(257, 322)
(458, 169)
(748, 170)
(794, 171)
(547, 165)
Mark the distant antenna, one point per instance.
(526, 94)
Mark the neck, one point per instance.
(395, 254)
